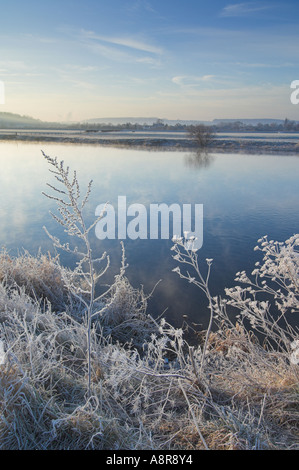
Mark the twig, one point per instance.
(193, 417)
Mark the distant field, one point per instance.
(255, 142)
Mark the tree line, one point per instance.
(16, 121)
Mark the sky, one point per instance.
(71, 60)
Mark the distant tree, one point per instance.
(203, 135)
(158, 124)
(289, 125)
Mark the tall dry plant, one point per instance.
(82, 283)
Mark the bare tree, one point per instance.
(202, 135)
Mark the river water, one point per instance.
(243, 197)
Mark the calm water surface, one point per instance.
(244, 197)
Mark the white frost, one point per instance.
(2, 353)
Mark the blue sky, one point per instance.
(191, 59)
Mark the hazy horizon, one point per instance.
(73, 61)
(144, 119)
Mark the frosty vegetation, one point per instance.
(81, 371)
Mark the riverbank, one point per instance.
(150, 389)
(234, 143)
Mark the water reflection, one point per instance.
(199, 159)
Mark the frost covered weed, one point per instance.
(253, 355)
(124, 315)
(276, 279)
(148, 388)
(41, 276)
(70, 205)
